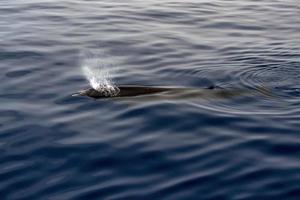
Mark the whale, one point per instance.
(124, 91)
(151, 93)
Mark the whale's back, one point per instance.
(123, 91)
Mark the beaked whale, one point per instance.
(127, 91)
(154, 92)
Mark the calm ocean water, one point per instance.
(245, 146)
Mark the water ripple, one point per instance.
(238, 141)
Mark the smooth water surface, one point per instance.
(55, 146)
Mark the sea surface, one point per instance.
(237, 145)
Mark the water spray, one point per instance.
(97, 70)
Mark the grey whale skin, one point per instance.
(125, 91)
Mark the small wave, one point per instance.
(271, 75)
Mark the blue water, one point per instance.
(245, 146)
